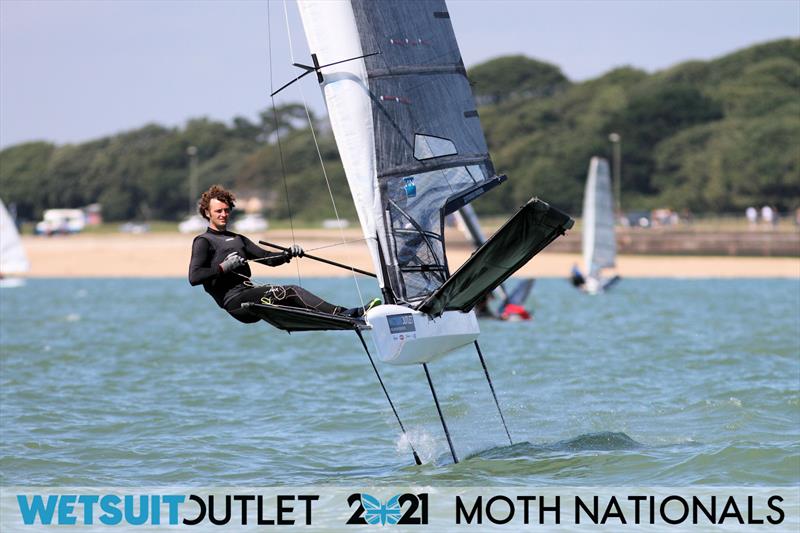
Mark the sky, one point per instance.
(72, 71)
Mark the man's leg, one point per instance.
(295, 296)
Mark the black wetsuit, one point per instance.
(577, 278)
(231, 289)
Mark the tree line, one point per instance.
(706, 136)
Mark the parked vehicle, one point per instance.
(61, 221)
(250, 223)
(193, 224)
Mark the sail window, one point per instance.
(429, 147)
(417, 263)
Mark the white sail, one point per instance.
(599, 241)
(411, 145)
(410, 140)
(331, 31)
(13, 259)
(406, 126)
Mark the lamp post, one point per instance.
(616, 141)
(192, 153)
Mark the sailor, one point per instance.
(219, 263)
(576, 277)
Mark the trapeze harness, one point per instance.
(231, 289)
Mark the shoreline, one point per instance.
(167, 255)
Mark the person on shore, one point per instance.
(768, 215)
(219, 263)
(752, 216)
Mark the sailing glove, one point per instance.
(295, 251)
(233, 261)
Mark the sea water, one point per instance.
(145, 382)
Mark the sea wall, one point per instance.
(680, 241)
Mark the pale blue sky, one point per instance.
(71, 71)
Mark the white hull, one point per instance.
(11, 283)
(593, 285)
(404, 336)
(599, 284)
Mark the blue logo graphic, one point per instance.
(377, 513)
(410, 186)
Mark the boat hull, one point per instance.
(404, 336)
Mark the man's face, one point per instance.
(218, 213)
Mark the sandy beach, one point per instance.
(167, 255)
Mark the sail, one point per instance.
(406, 126)
(527, 233)
(12, 255)
(599, 242)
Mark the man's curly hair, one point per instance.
(216, 192)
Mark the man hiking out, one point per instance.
(219, 263)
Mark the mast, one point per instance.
(332, 35)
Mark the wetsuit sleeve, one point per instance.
(200, 268)
(262, 256)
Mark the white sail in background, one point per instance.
(13, 259)
(599, 241)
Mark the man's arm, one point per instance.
(200, 268)
(264, 257)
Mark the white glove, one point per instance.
(295, 251)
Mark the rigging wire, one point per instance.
(344, 243)
(278, 139)
(316, 146)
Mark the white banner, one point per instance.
(440, 509)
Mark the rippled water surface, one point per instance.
(145, 382)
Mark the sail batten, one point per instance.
(418, 70)
(446, 162)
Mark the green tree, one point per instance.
(655, 113)
(23, 177)
(515, 76)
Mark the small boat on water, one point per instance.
(13, 259)
(599, 238)
(509, 303)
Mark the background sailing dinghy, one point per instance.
(413, 150)
(13, 259)
(599, 239)
(512, 302)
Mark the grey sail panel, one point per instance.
(429, 146)
(418, 85)
(527, 233)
